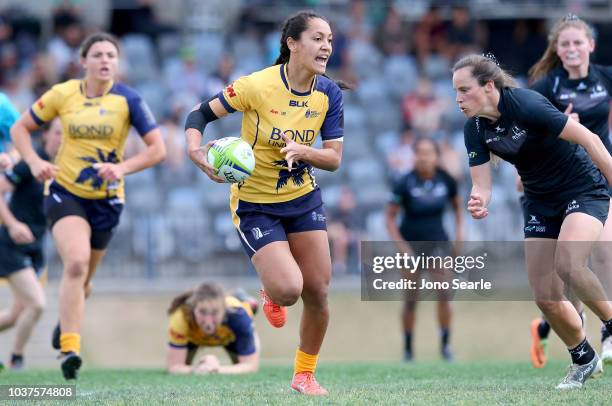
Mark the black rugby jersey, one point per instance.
(423, 202)
(26, 202)
(527, 135)
(590, 96)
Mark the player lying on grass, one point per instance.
(207, 317)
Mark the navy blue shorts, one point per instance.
(15, 257)
(538, 225)
(101, 214)
(260, 224)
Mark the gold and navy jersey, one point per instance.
(95, 130)
(236, 333)
(271, 108)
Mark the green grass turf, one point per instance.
(372, 383)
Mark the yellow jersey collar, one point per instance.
(83, 88)
(285, 78)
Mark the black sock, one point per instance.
(408, 341)
(608, 326)
(543, 328)
(583, 353)
(444, 337)
(16, 358)
(604, 333)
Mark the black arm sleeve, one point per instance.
(198, 119)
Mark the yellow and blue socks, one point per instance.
(70, 342)
(304, 362)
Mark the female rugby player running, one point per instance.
(278, 211)
(581, 89)
(566, 195)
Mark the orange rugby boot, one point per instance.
(306, 384)
(538, 345)
(276, 314)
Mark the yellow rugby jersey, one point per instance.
(271, 108)
(95, 130)
(236, 333)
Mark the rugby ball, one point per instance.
(233, 159)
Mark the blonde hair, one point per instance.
(550, 59)
(485, 69)
(190, 298)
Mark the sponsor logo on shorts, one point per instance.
(317, 216)
(572, 206)
(258, 234)
(56, 198)
(535, 229)
(533, 220)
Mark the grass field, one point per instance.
(369, 383)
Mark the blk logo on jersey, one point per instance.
(297, 103)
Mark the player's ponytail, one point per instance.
(550, 59)
(190, 298)
(485, 68)
(293, 27)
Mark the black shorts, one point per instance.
(101, 214)
(259, 224)
(440, 248)
(14, 257)
(538, 225)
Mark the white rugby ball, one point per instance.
(233, 158)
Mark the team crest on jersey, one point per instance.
(296, 175)
(312, 114)
(230, 91)
(598, 91)
(89, 173)
(40, 104)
